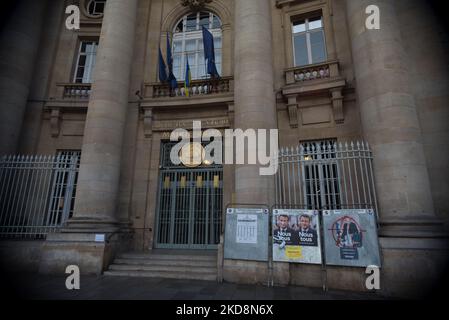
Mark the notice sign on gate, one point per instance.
(246, 234)
(351, 238)
(296, 236)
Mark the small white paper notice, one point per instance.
(99, 238)
(247, 228)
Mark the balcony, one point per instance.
(321, 79)
(198, 88)
(74, 91)
(306, 75)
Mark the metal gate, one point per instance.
(37, 194)
(190, 206)
(326, 175)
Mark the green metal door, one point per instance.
(190, 204)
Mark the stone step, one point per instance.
(163, 275)
(179, 269)
(168, 262)
(167, 257)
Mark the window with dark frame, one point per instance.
(321, 175)
(64, 182)
(188, 43)
(85, 63)
(309, 42)
(95, 8)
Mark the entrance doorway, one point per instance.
(190, 205)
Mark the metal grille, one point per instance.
(190, 205)
(326, 175)
(190, 208)
(36, 194)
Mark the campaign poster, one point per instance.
(296, 236)
(350, 238)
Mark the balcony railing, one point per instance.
(311, 72)
(197, 88)
(74, 90)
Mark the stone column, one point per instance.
(98, 184)
(255, 106)
(390, 121)
(19, 41)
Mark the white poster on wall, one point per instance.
(246, 228)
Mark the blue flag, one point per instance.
(188, 79)
(209, 53)
(162, 68)
(171, 77)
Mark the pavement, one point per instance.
(39, 287)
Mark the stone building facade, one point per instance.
(96, 91)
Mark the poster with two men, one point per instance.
(296, 236)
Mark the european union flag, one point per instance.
(171, 77)
(209, 53)
(162, 68)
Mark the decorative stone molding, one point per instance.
(74, 91)
(292, 107)
(84, 4)
(188, 124)
(326, 70)
(323, 79)
(55, 122)
(337, 105)
(231, 114)
(148, 123)
(195, 5)
(197, 88)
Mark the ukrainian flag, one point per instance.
(188, 79)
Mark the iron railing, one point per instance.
(326, 176)
(37, 194)
(190, 208)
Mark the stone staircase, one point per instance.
(166, 264)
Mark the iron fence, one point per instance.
(36, 194)
(326, 175)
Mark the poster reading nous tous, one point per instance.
(296, 236)
(351, 238)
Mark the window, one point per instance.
(188, 43)
(95, 8)
(85, 62)
(321, 175)
(63, 189)
(309, 43)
